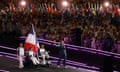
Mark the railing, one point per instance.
(87, 55)
(79, 48)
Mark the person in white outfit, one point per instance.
(33, 58)
(20, 53)
(44, 54)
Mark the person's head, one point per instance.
(21, 44)
(30, 49)
(107, 34)
(42, 46)
(62, 42)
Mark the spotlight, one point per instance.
(23, 3)
(106, 4)
(65, 3)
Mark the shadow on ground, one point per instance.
(12, 66)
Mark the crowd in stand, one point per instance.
(54, 24)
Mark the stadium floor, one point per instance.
(11, 65)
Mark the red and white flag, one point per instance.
(31, 41)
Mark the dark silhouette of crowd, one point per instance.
(53, 24)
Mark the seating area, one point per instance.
(60, 35)
(56, 24)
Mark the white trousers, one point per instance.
(46, 55)
(34, 60)
(21, 62)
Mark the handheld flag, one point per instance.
(31, 41)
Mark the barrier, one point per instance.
(92, 56)
(79, 48)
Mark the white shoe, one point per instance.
(49, 62)
(58, 66)
(44, 62)
(20, 67)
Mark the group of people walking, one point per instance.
(31, 59)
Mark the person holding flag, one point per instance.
(31, 46)
(33, 58)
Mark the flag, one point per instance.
(31, 40)
(115, 8)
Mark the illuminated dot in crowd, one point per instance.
(106, 4)
(65, 3)
(23, 3)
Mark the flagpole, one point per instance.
(36, 38)
(32, 25)
(38, 47)
(33, 28)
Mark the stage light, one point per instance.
(23, 3)
(106, 4)
(65, 3)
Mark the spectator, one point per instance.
(108, 42)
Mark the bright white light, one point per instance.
(23, 3)
(106, 4)
(65, 3)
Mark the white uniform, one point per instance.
(33, 58)
(21, 56)
(44, 54)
